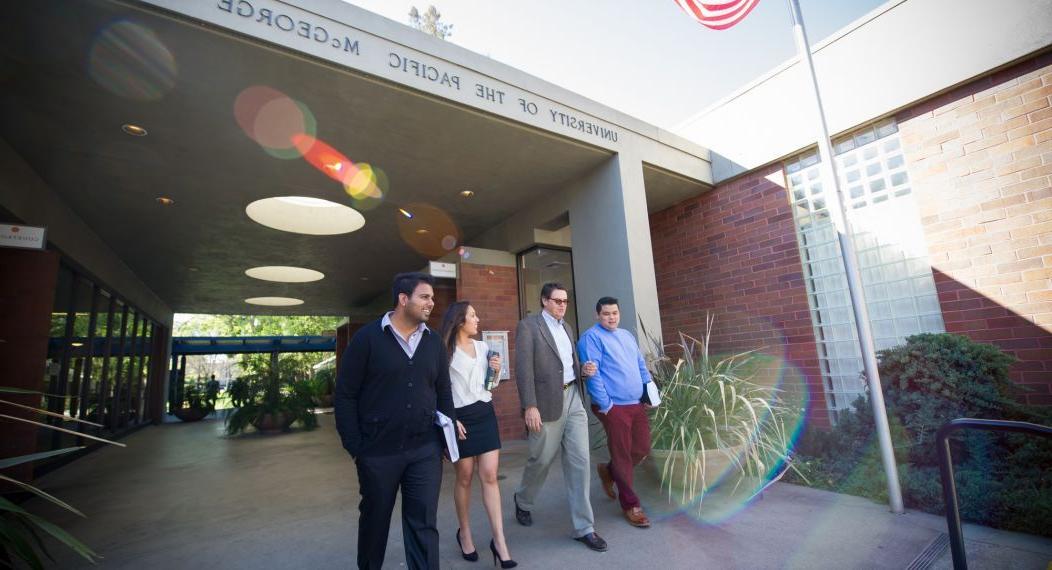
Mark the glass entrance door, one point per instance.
(540, 265)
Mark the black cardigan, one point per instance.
(385, 401)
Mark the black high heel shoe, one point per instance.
(472, 556)
(509, 563)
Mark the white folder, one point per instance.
(449, 429)
(653, 394)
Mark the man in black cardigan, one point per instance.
(392, 378)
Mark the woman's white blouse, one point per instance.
(468, 376)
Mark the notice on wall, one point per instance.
(22, 237)
(440, 269)
(498, 341)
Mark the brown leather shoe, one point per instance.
(637, 518)
(606, 479)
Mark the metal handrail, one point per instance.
(949, 487)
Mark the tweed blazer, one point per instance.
(539, 370)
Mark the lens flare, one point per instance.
(362, 183)
(282, 126)
(323, 157)
(374, 193)
(442, 235)
(130, 61)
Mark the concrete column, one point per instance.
(612, 255)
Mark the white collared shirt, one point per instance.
(409, 346)
(563, 343)
(468, 375)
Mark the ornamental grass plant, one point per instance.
(715, 409)
(23, 534)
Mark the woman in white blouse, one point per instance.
(469, 363)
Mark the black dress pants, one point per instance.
(418, 472)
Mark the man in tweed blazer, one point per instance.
(551, 390)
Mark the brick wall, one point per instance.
(732, 253)
(980, 159)
(493, 291)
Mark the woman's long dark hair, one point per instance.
(456, 314)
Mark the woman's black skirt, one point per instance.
(480, 421)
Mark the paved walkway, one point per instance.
(184, 496)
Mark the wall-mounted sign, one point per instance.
(498, 341)
(439, 269)
(22, 237)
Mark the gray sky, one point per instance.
(644, 57)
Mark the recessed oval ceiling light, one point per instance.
(274, 301)
(285, 274)
(305, 215)
(307, 201)
(193, 269)
(165, 201)
(134, 130)
(422, 231)
(405, 213)
(467, 193)
(365, 278)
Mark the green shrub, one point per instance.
(1002, 479)
(934, 378)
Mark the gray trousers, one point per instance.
(570, 434)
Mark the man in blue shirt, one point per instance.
(616, 389)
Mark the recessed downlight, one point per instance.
(274, 301)
(305, 215)
(134, 130)
(285, 274)
(422, 231)
(406, 213)
(467, 193)
(165, 201)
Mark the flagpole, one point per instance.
(838, 214)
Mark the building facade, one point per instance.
(942, 144)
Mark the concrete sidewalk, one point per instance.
(184, 496)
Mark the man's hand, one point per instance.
(589, 369)
(533, 419)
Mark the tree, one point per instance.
(429, 23)
(298, 364)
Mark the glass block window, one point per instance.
(896, 274)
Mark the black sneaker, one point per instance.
(593, 541)
(521, 515)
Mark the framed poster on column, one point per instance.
(498, 341)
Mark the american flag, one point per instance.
(717, 15)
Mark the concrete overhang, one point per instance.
(432, 137)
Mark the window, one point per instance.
(896, 275)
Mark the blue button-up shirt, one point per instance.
(408, 345)
(563, 343)
(622, 371)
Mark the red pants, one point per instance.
(628, 438)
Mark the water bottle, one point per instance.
(491, 375)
